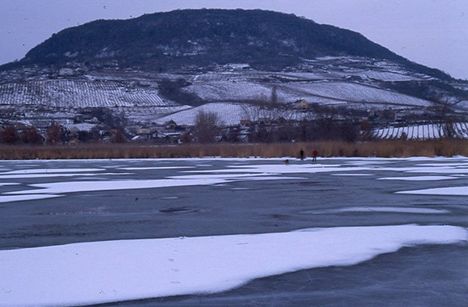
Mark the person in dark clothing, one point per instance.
(301, 154)
(314, 155)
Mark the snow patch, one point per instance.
(419, 178)
(454, 191)
(111, 271)
(285, 169)
(23, 176)
(380, 209)
(14, 198)
(154, 168)
(447, 170)
(351, 174)
(89, 186)
(52, 170)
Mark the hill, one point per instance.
(168, 66)
(164, 41)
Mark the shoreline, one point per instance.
(336, 149)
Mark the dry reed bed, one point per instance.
(395, 148)
(325, 149)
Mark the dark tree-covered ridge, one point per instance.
(162, 41)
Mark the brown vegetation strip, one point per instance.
(395, 148)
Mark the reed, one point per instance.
(387, 148)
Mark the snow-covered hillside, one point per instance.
(422, 132)
(351, 93)
(80, 94)
(228, 113)
(322, 92)
(357, 83)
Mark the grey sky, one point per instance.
(431, 32)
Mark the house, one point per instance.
(302, 105)
(170, 125)
(237, 66)
(245, 122)
(172, 137)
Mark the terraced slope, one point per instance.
(80, 94)
(423, 131)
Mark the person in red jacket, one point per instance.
(314, 155)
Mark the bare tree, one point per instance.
(206, 127)
(55, 134)
(30, 135)
(443, 107)
(9, 135)
(118, 136)
(186, 138)
(274, 94)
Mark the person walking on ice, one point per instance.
(314, 155)
(301, 154)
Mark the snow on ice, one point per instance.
(449, 191)
(13, 198)
(111, 271)
(419, 178)
(52, 170)
(381, 209)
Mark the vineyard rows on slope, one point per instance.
(230, 90)
(315, 92)
(354, 92)
(421, 132)
(79, 94)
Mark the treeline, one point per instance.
(57, 134)
(29, 135)
(208, 128)
(304, 131)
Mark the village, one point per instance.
(300, 121)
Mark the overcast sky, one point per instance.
(430, 32)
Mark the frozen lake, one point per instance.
(392, 232)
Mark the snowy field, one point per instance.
(82, 94)
(422, 132)
(228, 113)
(224, 232)
(319, 92)
(354, 92)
